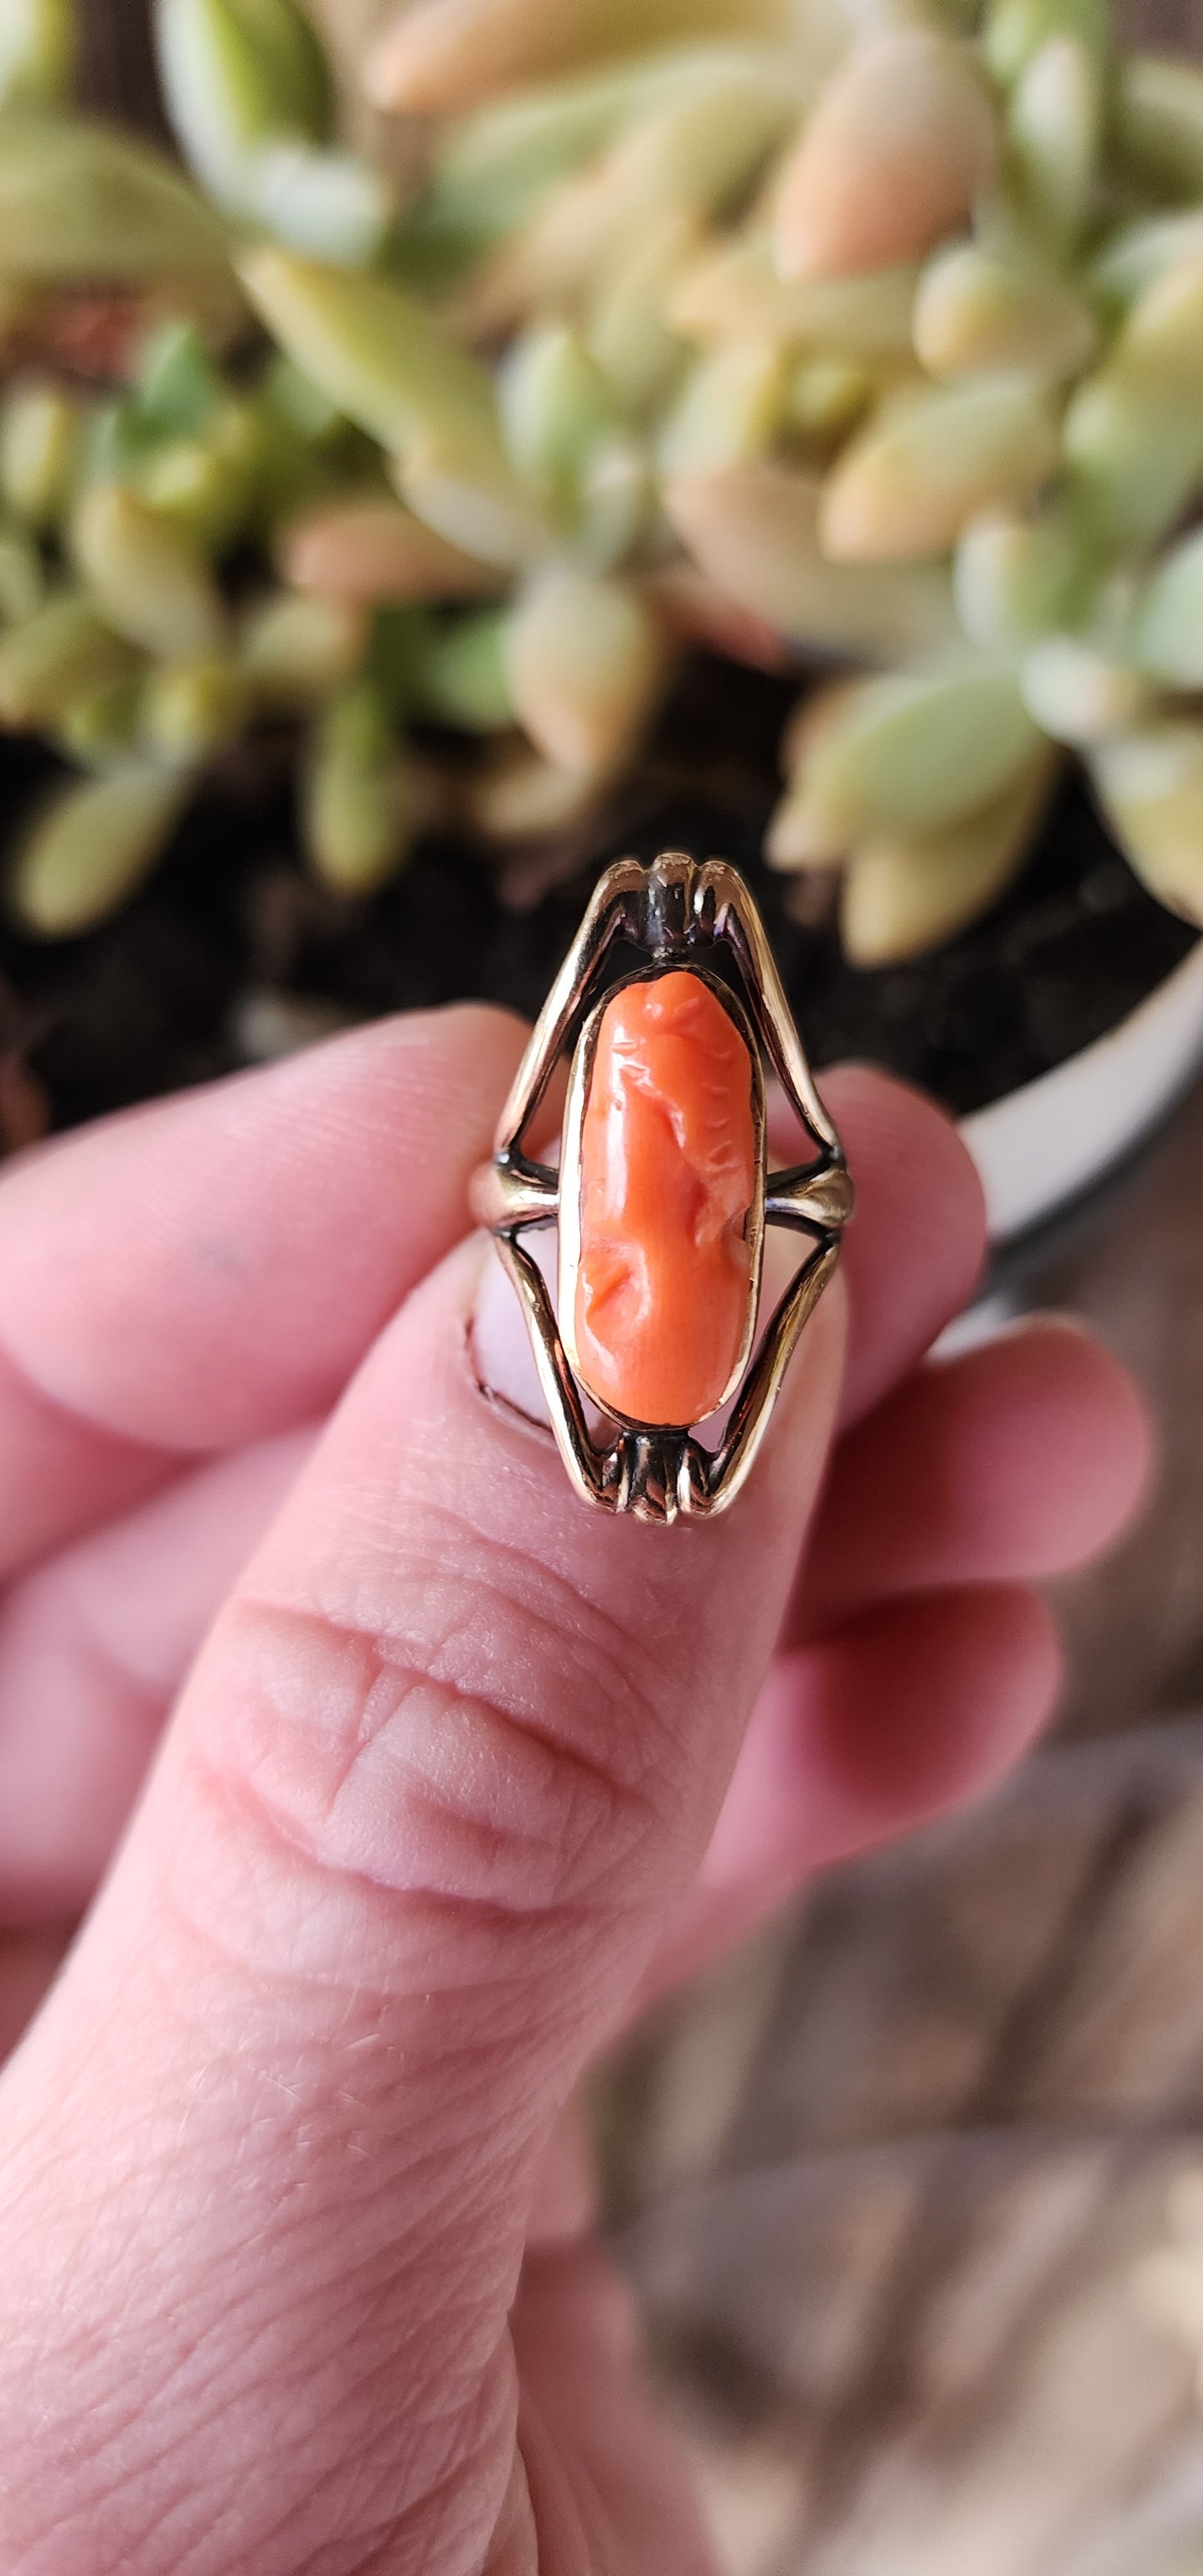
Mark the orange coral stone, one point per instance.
(668, 1176)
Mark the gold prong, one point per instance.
(555, 1377)
(733, 1463)
(723, 897)
(811, 1195)
(567, 998)
(505, 1194)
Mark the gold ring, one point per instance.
(663, 1191)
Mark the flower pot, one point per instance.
(1041, 1146)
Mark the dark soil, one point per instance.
(151, 1001)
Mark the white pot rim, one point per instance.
(1042, 1145)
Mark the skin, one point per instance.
(295, 2270)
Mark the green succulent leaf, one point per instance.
(79, 201)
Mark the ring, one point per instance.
(663, 1193)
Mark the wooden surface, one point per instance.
(893, 2277)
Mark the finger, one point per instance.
(914, 1250)
(1019, 1460)
(28, 1963)
(608, 2474)
(860, 1737)
(892, 1721)
(210, 1271)
(444, 1765)
(87, 1668)
(1014, 1462)
(278, 1219)
(57, 1471)
(93, 1648)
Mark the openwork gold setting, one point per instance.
(679, 912)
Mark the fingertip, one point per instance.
(1011, 1462)
(278, 1218)
(1105, 1440)
(921, 1707)
(857, 1739)
(904, 1138)
(485, 1039)
(914, 1250)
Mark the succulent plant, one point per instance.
(868, 342)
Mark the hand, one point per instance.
(437, 1802)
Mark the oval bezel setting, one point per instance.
(570, 1218)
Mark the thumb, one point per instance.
(447, 1762)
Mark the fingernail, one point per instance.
(501, 1351)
